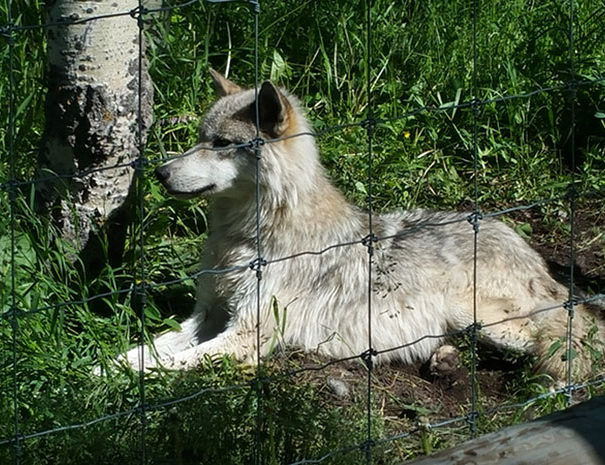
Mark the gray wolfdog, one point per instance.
(422, 265)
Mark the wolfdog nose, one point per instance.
(162, 173)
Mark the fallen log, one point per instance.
(572, 436)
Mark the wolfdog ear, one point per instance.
(273, 108)
(223, 85)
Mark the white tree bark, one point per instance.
(91, 114)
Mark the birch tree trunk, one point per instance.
(91, 116)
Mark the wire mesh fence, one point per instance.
(14, 312)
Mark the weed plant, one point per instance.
(423, 61)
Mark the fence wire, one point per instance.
(141, 285)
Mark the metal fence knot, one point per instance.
(474, 219)
(138, 13)
(473, 329)
(570, 305)
(369, 124)
(138, 298)
(572, 85)
(15, 313)
(471, 417)
(11, 189)
(139, 163)
(475, 105)
(256, 265)
(367, 357)
(367, 445)
(572, 192)
(369, 240)
(6, 32)
(255, 144)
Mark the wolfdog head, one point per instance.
(224, 162)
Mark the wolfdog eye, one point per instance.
(221, 142)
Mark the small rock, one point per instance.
(444, 361)
(339, 388)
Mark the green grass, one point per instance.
(422, 55)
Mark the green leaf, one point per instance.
(360, 187)
(172, 324)
(524, 230)
(554, 347)
(23, 105)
